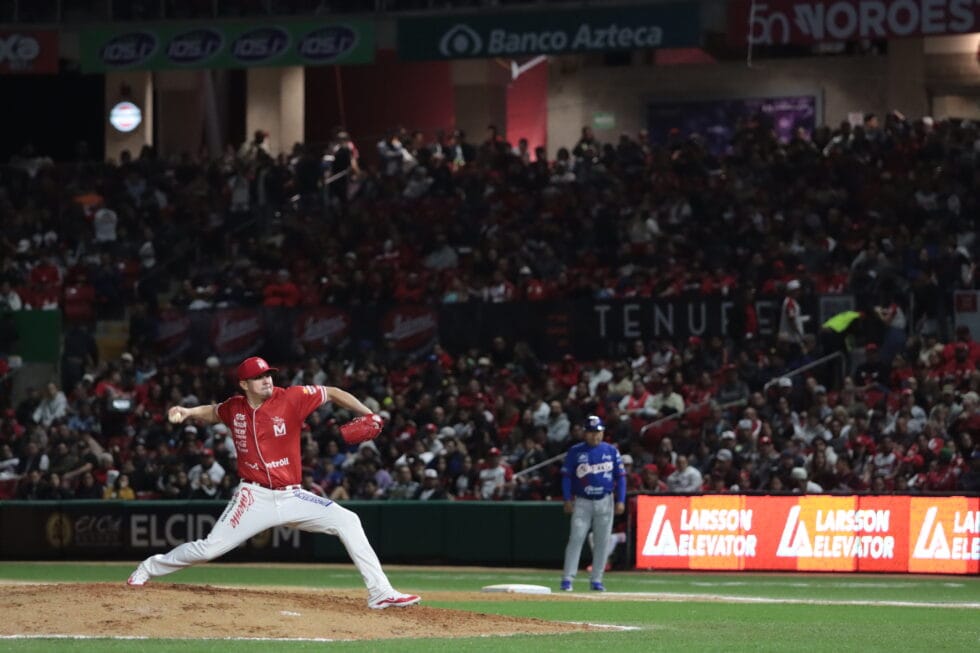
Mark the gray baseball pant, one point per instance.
(597, 516)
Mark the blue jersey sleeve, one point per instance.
(619, 474)
(566, 487)
(567, 471)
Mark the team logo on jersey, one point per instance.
(240, 420)
(584, 469)
(278, 427)
(282, 462)
(254, 466)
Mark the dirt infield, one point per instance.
(203, 611)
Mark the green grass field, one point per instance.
(687, 612)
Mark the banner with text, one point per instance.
(28, 52)
(231, 45)
(602, 329)
(809, 533)
(85, 530)
(555, 32)
(586, 329)
(779, 22)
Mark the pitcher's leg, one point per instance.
(250, 511)
(581, 521)
(309, 512)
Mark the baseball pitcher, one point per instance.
(265, 425)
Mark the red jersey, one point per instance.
(267, 438)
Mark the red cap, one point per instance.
(254, 367)
(494, 451)
(208, 452)
(650, 467)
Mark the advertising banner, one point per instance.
(715, 120)
(230, 45)
(556, 32)
(779, 22)
(588, 329)
(28, 52)
(809, 533)
(84, 530)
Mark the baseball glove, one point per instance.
(363, 428)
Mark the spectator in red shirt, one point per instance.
(941, 476)
(650, 479)
(963, 337)
(281, 291)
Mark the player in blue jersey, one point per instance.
(593, 472)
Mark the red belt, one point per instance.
(269, 487)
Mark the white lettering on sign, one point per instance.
(230, 331)
(869, 521)
(406, 328)
(966, 522)
(848, 20)
(661, 539)
(796, 541)
(18, 50)
(323, 330)
(932, 543)
(716, 520)
(155, 531)
(586, 37)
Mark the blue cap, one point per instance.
(593, 423)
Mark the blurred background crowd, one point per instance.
(884, 211)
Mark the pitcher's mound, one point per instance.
(167, 610)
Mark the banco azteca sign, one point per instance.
(463, 41)
(533, 33)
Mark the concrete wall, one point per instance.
(480, 96)
(276, 105)
(956, 106)
(842, 85)
(180, 115)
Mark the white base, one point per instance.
(516, 588)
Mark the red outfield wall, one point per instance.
(809, 533)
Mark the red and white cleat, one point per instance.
(138, 578)
(393, 599)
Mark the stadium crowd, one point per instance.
(884, 211)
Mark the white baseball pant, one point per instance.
(253, 509)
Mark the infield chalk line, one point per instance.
(264, 639)
(667, 596)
